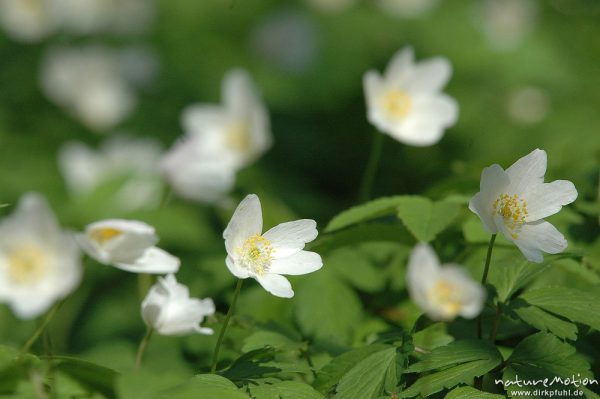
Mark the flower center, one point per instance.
(102, 236)
(255, 254)
(446, 296)
(237, 137)
(397, 103)
(26, 265)
(513, 211)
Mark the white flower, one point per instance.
(516, 200)
(39, 263)
(120, 157)
(169, 309)
(265, 257)
(506, 23)
(219, 141)
(407, 8)
(407, 103)
(127, 245)
(443, 292)
(26, 20)
(90, 83)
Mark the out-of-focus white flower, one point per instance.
(331, 6)
(94, 16)
(265, 257)
(407, 8)
(443, 292)
(90, 83)
(506, 23)
(169, 310)
(39, 263)
(515, 202)
(127, 245)
(219, 141)
(528, 105)
(407, 103)
(26, 20)
(286, 40)
(119, 157)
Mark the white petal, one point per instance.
(276, 285)
(238, 91)
(527, 171)
(33, 211)
(302, 262)
(245, 222)
(200, 118)
(423, 269)
(494, 181)
(540, 236)
(400, 68)
(482, 210)
(437, 110)
(471, 292)
(235, 269)
(372, 86)
(153, 261)
(290, 237)
(547, 199)
(430, 75)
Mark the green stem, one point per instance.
(236, 293)
(36, 334)
(142, 347)
(496, 324)
(486, 270)
(371, 169)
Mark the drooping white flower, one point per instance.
(26, 20)
(169, 310)
(406, 102)
(265, 257)
(119, 157)
(39, 263)
(506, 23)
(407, 8)
(219, 140)
(128, 245)
(515, 202)
(91, 83)
(443, 292)
(528, 105)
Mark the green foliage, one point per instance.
(424, 218)
(470, 393)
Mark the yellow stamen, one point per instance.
(446, 297)
(397, 103)
(238, 137)
(256, 254)
(101, 236)
(26, 265)
(513, 211)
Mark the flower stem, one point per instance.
(486, 270)
(36, 334)
(371, 169)
(236, 293)
(142, 347)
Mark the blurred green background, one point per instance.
(539, 92)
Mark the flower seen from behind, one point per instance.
(128, 245)
(266, 257)
(169, 310)
(515, 202)
(406, 102)
(443, 292)
(39, 262)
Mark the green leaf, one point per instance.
(432, 337)
(359, 234)
(204, 387)
(356, 268)
(147, 384)
(455, 353)
(471, 393)
(578, 306)
(332, 372)
(448, 378)
(90, 375)
(326, 308)
(424, 218)
(366, 379)
(284, 390)
(263, 338)
(260, 362)
(545, 321)
(364, 212)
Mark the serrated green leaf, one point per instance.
(326, 308)
(332, 372)
(359, 234)
(284, 390)
(356, 268)
(455, 353)
(263, 338)
(424, 218)
(364, 212)
(471, 393)
(366, 379)
(432, 337)
(575, 305)
(203, 388)
(545, 321)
